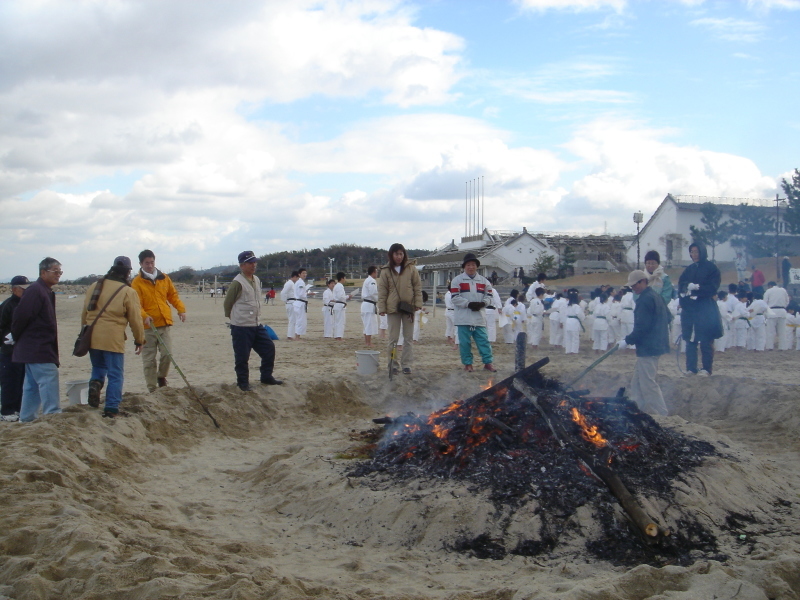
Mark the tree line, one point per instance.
(751, 228)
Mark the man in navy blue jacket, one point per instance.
(35, 334)
(650, 335)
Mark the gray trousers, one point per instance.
(644, 387)
(156, 366)
(395, 322)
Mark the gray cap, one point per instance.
(636, 276)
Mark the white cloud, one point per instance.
(732, 30)
(572, 5)
(776, 4)
(567, 82)
(631, 168)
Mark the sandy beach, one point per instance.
(162, 504)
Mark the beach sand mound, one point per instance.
(162, 504)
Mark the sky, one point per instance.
(201, 128)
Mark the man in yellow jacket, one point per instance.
(156, 294)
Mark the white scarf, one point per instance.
(150, 276)
(655, 279)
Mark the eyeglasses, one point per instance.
(56, 271)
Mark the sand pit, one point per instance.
(161, 504)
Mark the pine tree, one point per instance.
(792, 191)
(716, 230)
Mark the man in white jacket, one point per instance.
(339, 305)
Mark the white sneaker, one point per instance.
(10, 418)
(704, 373)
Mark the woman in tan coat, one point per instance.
(399, 297)
(107, 351)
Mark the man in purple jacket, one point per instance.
(35, 334)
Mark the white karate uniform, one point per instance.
(492, 316)
(556, 328)
(793, 329)
(572, 319)
(757, 340)
(740, 323)
(535, 321)
(327, 313)
(287, 297)
(418, 323)
(339, 301)
(300, 306)
(449, 310)
(777, 299)
(721, 343)
(600, 325)
(614, 328)
(369, 306)
(627, 303)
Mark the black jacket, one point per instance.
(650, 325)
(6, 314)
(699, 312)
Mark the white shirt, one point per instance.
(287, 291)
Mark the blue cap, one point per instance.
(247, 256)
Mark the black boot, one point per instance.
(95, 385)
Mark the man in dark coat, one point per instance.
(700, 318)
(650, 335)
(12, 375)
(35, 333)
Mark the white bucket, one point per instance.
(78, 391)
(367, 361)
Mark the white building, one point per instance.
(503, 252)
(668, 230)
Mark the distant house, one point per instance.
(504, 251)
(668, 230)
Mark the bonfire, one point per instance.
(528, 440)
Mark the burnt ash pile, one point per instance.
(505, 444)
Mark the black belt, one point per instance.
(599, 317)
(371, 301)
(291, 299)
(777, 307)
(490, 308)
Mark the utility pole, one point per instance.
(777, 225)
(638, 217)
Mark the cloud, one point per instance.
(572, 5)
(573, 82)
(277, 51)
(631, 167)
(732, 30)
(774, 4)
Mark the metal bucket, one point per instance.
(367, 361)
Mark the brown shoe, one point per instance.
(489, 367)
(162, 382)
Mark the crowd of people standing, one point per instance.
(696, 313)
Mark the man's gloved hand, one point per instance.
(9, 341)
(622, 344)
(476, 306)
(693, 286)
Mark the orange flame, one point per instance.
(589, 432)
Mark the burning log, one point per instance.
(635, 512)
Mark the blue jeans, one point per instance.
(40, 389)
(111, 365)
(244, 340)
(465, 336)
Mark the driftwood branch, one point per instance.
(633, 509)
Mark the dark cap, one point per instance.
(123, 261)
(247, 256)
(20, 281)
(470, 257)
